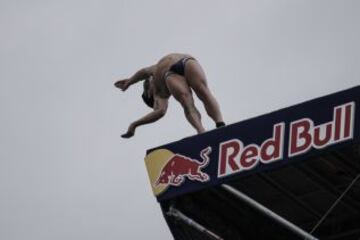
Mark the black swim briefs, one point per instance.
(178, 67)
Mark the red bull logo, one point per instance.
(265, 143)
(304, 135)
(168, 169)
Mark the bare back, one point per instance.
(162, 67)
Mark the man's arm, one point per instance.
(142, 74)
(160, 107)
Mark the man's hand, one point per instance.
(130, 132)
(123, 84)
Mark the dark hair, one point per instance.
(148, 99)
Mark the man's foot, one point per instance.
(220, 124)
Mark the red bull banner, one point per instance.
(259, 144)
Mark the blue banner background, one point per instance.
(256, 130)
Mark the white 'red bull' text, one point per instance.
(304, 135)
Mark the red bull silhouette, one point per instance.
(179, 167)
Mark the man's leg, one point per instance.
(182, 93)
(196, 79)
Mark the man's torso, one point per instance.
(162, 67)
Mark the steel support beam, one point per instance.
(173, 212)
(280, 220)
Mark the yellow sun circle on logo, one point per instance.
(155, 162)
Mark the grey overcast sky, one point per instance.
(65, 173)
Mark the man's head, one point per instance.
(147, 95)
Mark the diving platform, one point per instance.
(290, 174)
